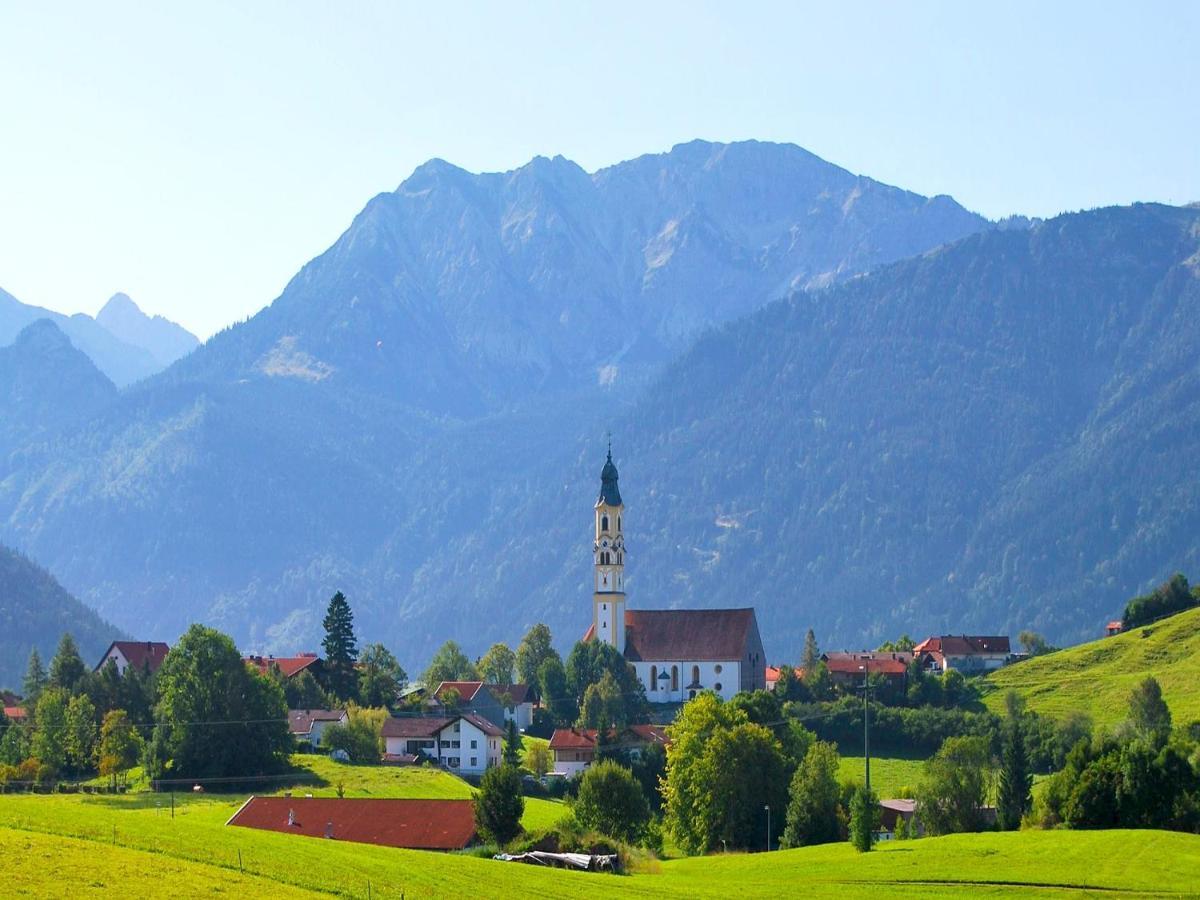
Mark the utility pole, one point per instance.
(768, 809)
(867, 720)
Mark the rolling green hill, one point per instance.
(66, 845)
(1097, 678)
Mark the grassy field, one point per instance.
(1098, 677)
(888, 773)
(72, 845)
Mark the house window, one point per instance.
(472, 745)
(474, 763)
(654, 678)
(674, 678)
(452, 762)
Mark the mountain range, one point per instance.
(850, 406)
(123, 342)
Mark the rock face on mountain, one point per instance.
(463, 294)
(46, 385)
(161, 338)
(994, 434)
(34, 613)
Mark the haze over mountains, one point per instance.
(990, 435)
(123, 342)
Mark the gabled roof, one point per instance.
(138, 654)
(585, 738)
(300, 721)
(466, 689)
(517, 693)
(885, 663)
(964, 645)
(289, 665)
(413, 824)
(430, 726)
(686, 634)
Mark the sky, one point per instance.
(196, 155)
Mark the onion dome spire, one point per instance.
(609, 492)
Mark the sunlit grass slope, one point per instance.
(1098, 677)
(129, 837)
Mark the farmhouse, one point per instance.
(16, 714)
(574, 749)
(463, 742)
(848, 669)
(144, 656)
(676, 652)
(309, 724)
(498, 703)
(290, 666)
(965, 653)
(412, 824)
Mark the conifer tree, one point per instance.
(1016, 781)
(340, 648)
(67, 669)
(864, 819)
(512, 745)
(35, 680)
(812, 655)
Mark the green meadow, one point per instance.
(1097, 678)
(72, 845)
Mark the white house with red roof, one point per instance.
(289, 666)
(310, 724)
(574, 749)
(144, 656)
(462, 742)
(676, 652)
(965, 653)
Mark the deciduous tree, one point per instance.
(381, 677)
(449, 664)
(499, 804)
(120, 745)
(498, 665)
(953, 790)
(611, 801)
(814, 814)
(535, 649)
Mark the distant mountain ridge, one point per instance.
(133, 348)
(966, 438)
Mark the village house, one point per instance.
(463, 742)
(891, 812)
(574, 749)
(847, 669)
(676, 652)
(308, 725)
(964, 653)
(498, 703)
(409, 824)
(1116, 626)
(144, 656)
(289, 666)
(16, 714)
(771, 674)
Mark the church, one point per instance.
(677, 652)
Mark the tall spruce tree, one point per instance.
(67, 669)
(812, 656)
(1016, 781)
(34, 681)
(340, 649)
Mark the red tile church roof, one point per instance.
(685, 634)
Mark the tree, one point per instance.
(34, 681)
(498, 665)
(611, 801)
(791, 687)
(301, 691)
(1148, 712)
(534, 650)
(721, 771)
(603, 706)
(80, 736)
(341, 650)
(449, 664)
(954, 787)
(220, 717)
(814, 809)
(512, 745)
(555, 694)
(1034, 643)
(812, 655)
(361, 738)
(903, 644)
(67, 669)
(381, 678)
(1016, 780)
(499, 804)
(864, 818)
(586, 665)
(49, 743)
(1167, 599)
(120, 745)
(537, 758)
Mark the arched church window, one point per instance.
(604, 523)
(618, 523)
(695, 674)
(654, 678)
(674, 678)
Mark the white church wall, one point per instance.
(723, 677)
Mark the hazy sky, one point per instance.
(196, 155)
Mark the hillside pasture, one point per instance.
(1097, 678)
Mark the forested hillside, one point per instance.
(35, 611)
(993, 435)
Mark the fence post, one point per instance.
(240, 869)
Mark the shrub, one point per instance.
(499, 805)
(611, 801)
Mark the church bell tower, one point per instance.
(608, 600)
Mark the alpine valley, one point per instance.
(850, 406)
